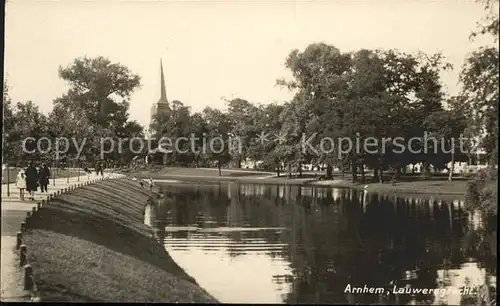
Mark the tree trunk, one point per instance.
(425, 170)
(375, 174)
(278, 169)
(354, 170)
(397, 174)
(380, 175)
(289, 170)
(452, 166)
(300, 169)
(219, 167)
(362, 169)
(329, 172)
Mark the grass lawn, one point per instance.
(92, 245)
(434, 186)
(202, 172)
(431, 187)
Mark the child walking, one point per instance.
(21, 183)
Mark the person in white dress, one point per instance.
(21, 183)
(151, 184)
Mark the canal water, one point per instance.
(250, 243)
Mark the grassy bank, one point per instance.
(58, 173)
(438, 186)
(92, 245)
(202, 172)
(430, 187)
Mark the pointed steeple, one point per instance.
(163, 93)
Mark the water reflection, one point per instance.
(253, 243)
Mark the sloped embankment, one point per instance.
(92, 245)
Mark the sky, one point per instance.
(215, 49)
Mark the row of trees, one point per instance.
(94, 107)
(480, 77)
(355, 95)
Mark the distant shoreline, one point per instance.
(438, 188)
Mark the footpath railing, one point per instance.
(29, 276)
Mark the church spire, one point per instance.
(163, 93)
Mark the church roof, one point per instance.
(163, 90)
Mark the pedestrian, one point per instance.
(31, 180)
(98, 169)
(4, 167)
(21, 183)
(151, 184)
(44, 177)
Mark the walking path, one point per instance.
(13, 213)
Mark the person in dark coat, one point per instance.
(99, 169)
(31, 180)
(44, 177)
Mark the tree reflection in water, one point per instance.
(331, 238)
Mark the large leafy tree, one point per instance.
(319, 78)
(480, 89)
(480, 79)
(448, 126)
(74, 126)
(199, 131)
(490, 25)
(359, 95)
(243, 117)
(175, 127)
(416, 91)
(99, 96)
(294, 120)
(26, 135)
(8, 133)
(264, 146)
(100, 87)
(218, 125)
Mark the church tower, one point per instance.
(162, 105)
